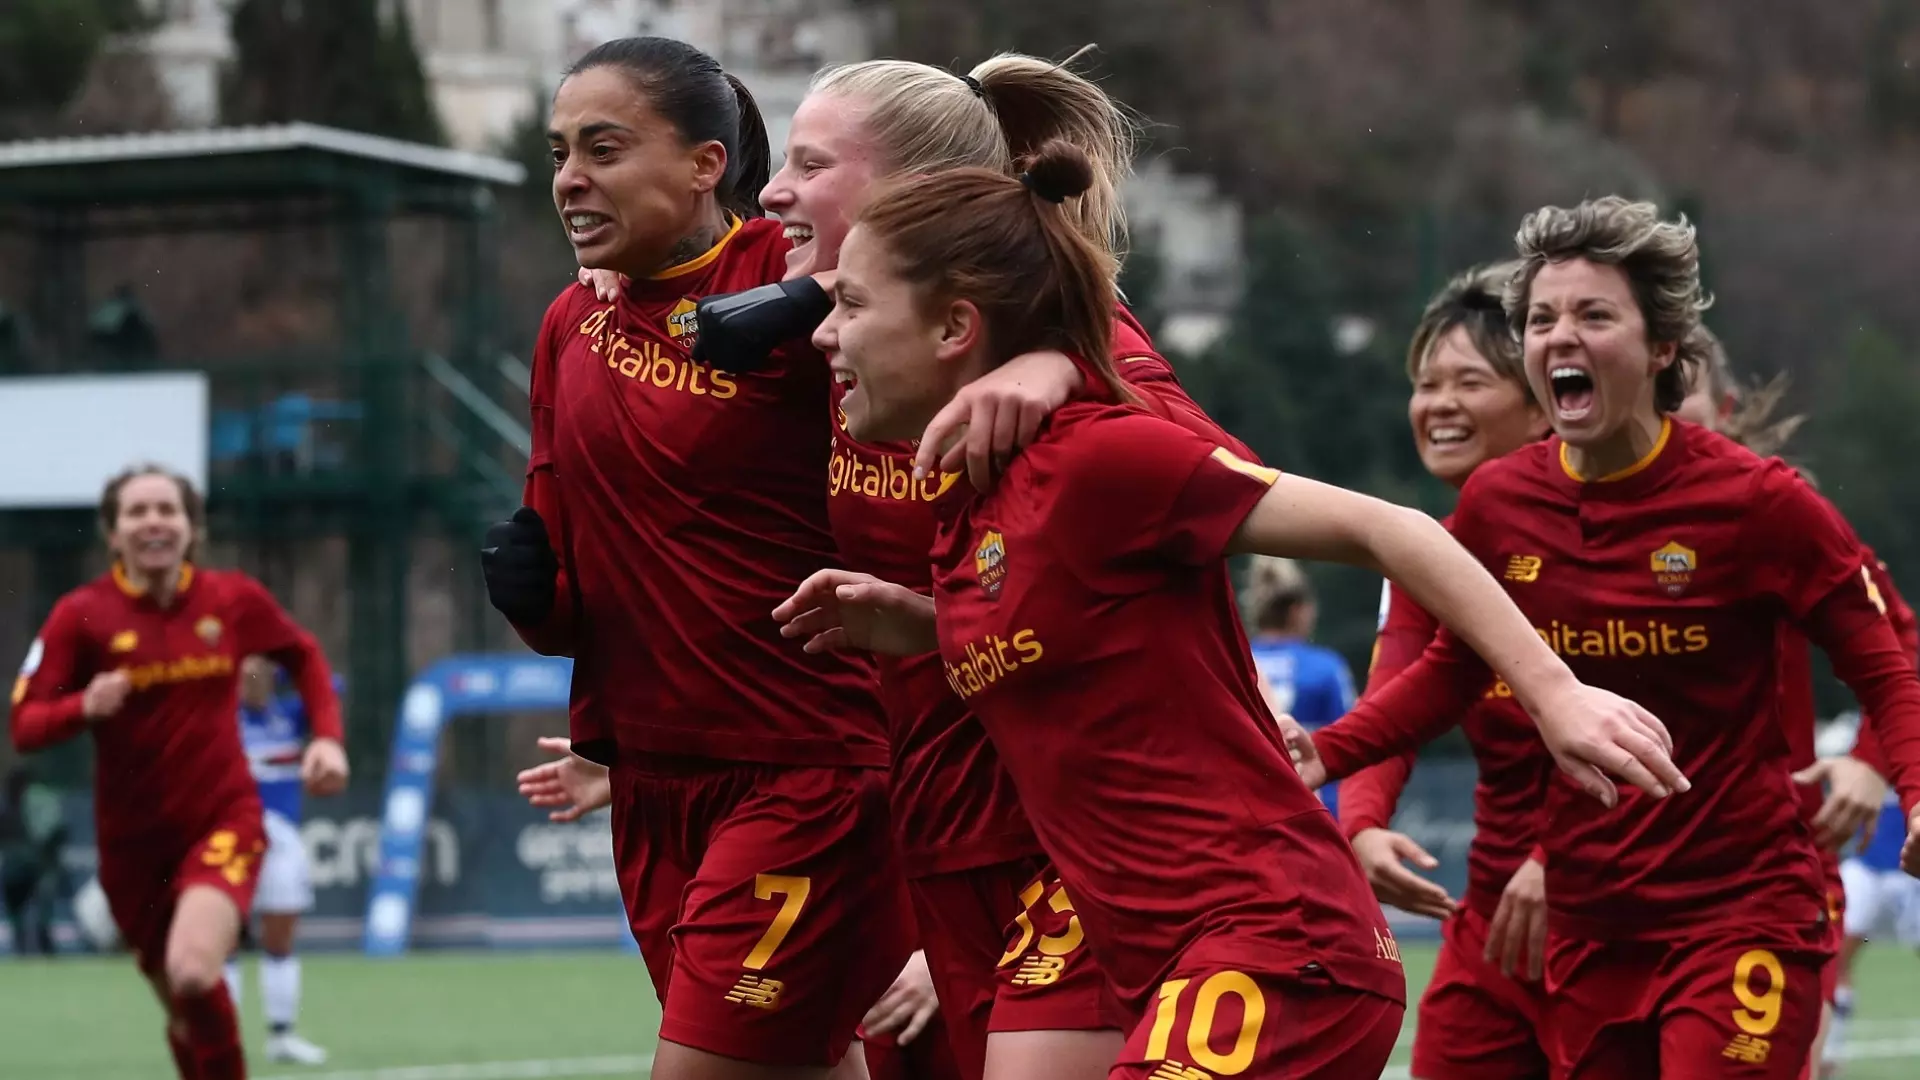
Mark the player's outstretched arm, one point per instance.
(1587, 729)
(838, 609)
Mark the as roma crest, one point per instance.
(209, 630)
(1673, 566)
(683, 323)
(990, 563)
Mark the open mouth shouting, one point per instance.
(1572, 387)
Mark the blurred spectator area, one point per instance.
(338, 292)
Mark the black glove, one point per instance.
(738, 331)
(520, 567)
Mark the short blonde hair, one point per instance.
(1661, 260)
(926, 119)
(1472, 301)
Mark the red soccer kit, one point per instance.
(1475, 1022)
(749, 793)
(1087, 618)
(982, 890)
(1799, 716)
(1686, 933)
(175, 804)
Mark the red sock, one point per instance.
(183, 1059)
(214, 1031)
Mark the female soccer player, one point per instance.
(1479, 1017)
(273, 731)
(1685, 937)
(1854, 788)
(1087, 617)
(975, 869)
(670, 504)
(146, 658)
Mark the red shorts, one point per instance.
(1476, 1023)
(766, 900)
(1211, 1022)
(1006, 954)
(144, 884)
(1729, 1002)
(1837, 918)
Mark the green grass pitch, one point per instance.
(556, 1016)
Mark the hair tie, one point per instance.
(1027, 179)
(973, 84)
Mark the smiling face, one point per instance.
(627, 184)
(895, 356)
(1464, 413)
(151, 532)
(830, 168)
(1587, 353)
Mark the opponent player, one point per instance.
(1685, 937)
(1479, 1017)
(1308, 682)
(1147, 760)
(1881, 900)
(146, 658)
(975, 870)
(274, 733)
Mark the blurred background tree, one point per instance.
(290, 63)
(46, 50)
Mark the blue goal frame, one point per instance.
(456, 686)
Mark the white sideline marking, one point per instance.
(631, 1064)
(636, 1065)
(1855, 1050)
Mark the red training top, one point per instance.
(686, 503)
(1667, 583)
(170, 763)
(954, 807)
(1087, 618)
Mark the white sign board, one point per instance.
(63, 436)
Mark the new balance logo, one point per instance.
(1748, 1048)
(1174, 1070)
(756, 991)
(1523, 568)
(1037, 970)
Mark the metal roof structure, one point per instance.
(426, 443)
(233, 162)
(92, 149)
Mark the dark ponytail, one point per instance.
(749, 172)
(704, 103)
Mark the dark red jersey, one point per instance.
(954, 807)
(1667, 583)
(1514, 765)
(1796, 683)
(1087, 618)
(685, 504)
(169, 764)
